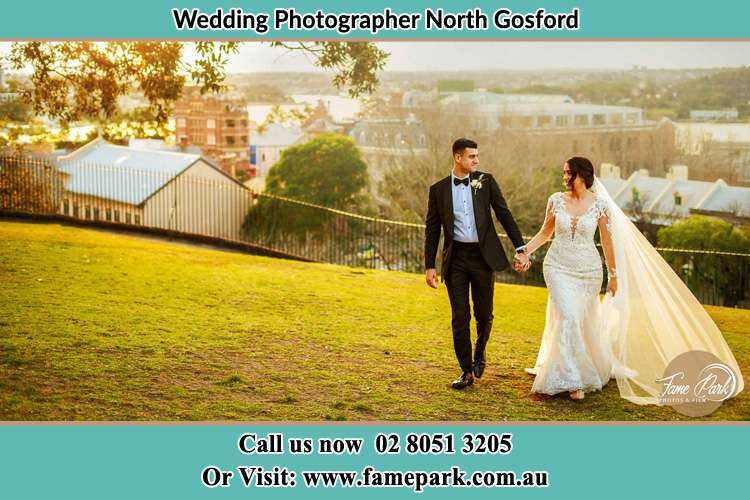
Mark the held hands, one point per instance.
(521, 263)
(430, 277)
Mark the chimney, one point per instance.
(678, 173)
(609, 171)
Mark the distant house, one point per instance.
(163, 189)
(383, 142)
(663, 200)
(266, 147)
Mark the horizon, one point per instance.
(510, 56)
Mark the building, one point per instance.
(714, 114)
(539, 130)
(725, 144)
(663, 200)
(163, 189)
(494, 99)
(218, 124)
(387, 142)
(161, 145)
(266, 147)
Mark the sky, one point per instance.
(427, 56)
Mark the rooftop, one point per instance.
(106, 170)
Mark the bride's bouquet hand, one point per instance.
(612, 286)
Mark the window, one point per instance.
(127, 218)
(263, 157)
(229, 123)
(230, 140)
(422, 140)
(544, 121)
(75, 210)
(88, 212)
(108, 214)
(211, 140)
(244, 123)
(582, 119)
(210, 123)
(599, 119)
(631, 118)
(181, 122)
(244, 139)
(561, 121)
(137, 219)
(66, 207)
(96, 213)
(677, 199)
(117, 216)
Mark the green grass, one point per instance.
(102, 326)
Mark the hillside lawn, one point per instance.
(97, 325)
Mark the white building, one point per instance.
(266, 147)
(489, 111)
(714, 114)
(162, 189)
(665, 199)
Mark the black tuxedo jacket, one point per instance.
(440, 214)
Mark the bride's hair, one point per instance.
(580, 166)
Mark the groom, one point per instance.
(460, 204)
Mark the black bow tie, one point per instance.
(464, 181)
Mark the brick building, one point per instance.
(218, 124)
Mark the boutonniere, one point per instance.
(476, 184)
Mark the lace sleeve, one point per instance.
(603, 215)
(552, 204)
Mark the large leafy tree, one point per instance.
(327, 171)
(76, 80)
(726, 275)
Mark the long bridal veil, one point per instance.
(653, 317)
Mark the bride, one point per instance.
(647, 317)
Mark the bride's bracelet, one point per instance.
(612, 273)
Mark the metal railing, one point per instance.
(203, 202)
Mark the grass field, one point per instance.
(103, 326)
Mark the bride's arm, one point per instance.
(609, 254)
(545, 232)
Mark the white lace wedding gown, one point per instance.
(573, 353)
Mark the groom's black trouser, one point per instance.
(468, 270)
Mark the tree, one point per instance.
(327, 171)
(14, 110)
(728, 275)
(75, 80)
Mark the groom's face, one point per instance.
(468, 160)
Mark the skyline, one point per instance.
(259, 57)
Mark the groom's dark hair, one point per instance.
(460, 144)
(581, 167)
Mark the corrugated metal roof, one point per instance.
(690, 193)
(276, 135)
(729, 199)
(120, 173)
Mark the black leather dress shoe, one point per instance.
(479, 368)
(464, 381)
